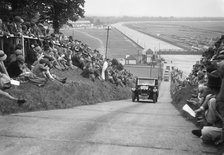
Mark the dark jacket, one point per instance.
(14, 69)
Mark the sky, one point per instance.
(155, 8)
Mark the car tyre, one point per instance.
(137, 98)
(133, 97)
(154, 98)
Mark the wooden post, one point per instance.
(22, 43)
(108, 29)
(2, 42)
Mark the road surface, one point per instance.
(111, 128)
(145, 41)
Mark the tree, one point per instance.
(60, 11)
(57, 11)
(97, 22)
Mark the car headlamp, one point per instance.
(154, 89)
(133, 89)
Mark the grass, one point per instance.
(183, 33)
(94, 43)
(54, 95)
(118, 45)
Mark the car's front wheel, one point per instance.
(133, 97)
(154, 98)
(137, 98)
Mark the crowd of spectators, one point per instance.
(177, 79)
(53, 51)
(19, 27)
(207, 77)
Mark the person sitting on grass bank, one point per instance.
(42, 70)
(212, 131)
(19, 70)
(5, 81)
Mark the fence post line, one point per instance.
(2, 44)
(22, 42)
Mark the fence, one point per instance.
(178, 52)
(25, 41)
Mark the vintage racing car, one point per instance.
(145, 88)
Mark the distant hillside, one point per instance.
(112, 19)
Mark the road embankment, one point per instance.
(55, 95)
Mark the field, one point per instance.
(118, 46)
(90, 40)
(182, 62)
(191, 35)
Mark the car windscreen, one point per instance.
(150, 82)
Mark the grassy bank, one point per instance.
(55, 95)
(179, 100)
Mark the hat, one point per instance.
(38, 49)
(210, 68)
(220, 57)
(19, 19)
(221, 52)
(44, 61)
(18, 52)
(20, 58)
(53, 35)
(214, 80)
(3, 56)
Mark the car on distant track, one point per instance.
(146, 88)
(166, 75)
(167, 67)
(166, 71)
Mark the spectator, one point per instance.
(15, 27)
(15, 68)
(31, 56)
(207, 133)
(88, 71)
(42, 70)
(5, 81)
(3, 29)
(13, 56)
(68, 57)
(105, 65)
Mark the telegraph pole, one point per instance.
(108, 29)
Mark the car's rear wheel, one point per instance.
(154, 98)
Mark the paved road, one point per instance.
(145, 41)
(112, 128)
